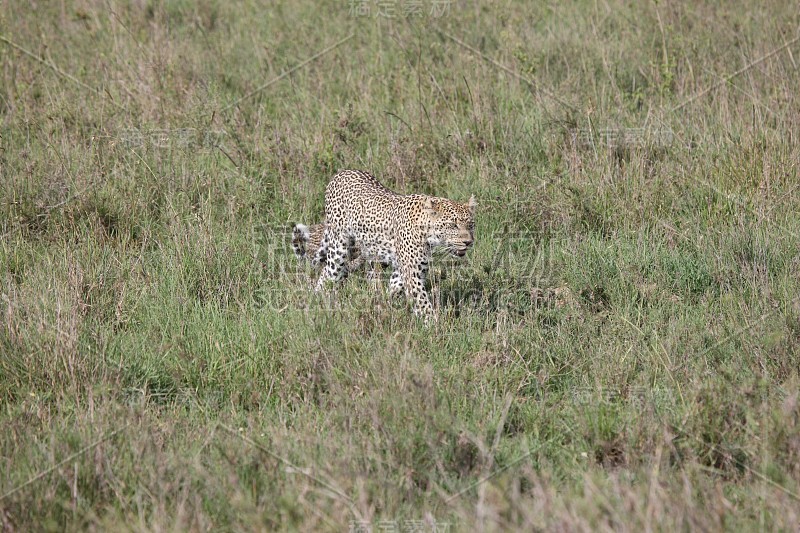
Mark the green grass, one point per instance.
(619, 351)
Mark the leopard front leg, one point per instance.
(414, 285)
(396, 282)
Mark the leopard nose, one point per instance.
(465, 237)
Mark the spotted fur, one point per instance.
(306, 241)
(392, 228)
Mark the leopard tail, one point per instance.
(300, 237)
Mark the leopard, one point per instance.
(306, 241)
(400, 230)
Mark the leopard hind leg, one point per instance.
(320, 257)
(337, 247)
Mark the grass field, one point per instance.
(619, 351)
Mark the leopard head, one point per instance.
(450, 225)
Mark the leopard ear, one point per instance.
(472, 204)
(428, 207)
